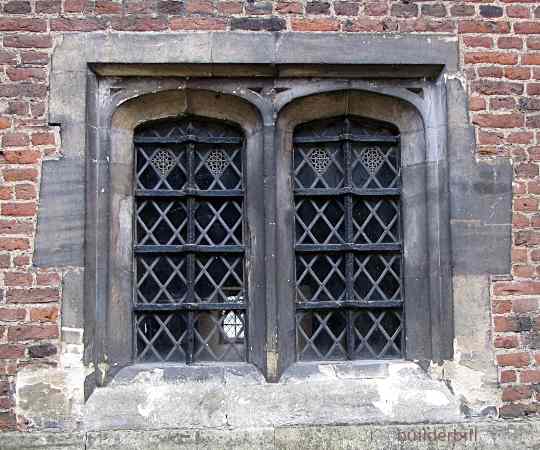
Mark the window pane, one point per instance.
(189, 242)
(320, 277)
(320, 220)
(319, 166)
(377, 334)
(321, 335)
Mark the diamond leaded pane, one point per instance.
(161, 167)
(318, 166)
(320, 220)
(161, 279)
(320, 278)
(161, 336)
(219, 278)
(377, 334)
(161, 222)
(375, 220)
(219, 336)
(377, 277)
(375, 165)
(321, 335)
(218, 222)
(218, 167)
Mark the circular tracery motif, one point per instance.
(320, 160)
(163, 161)
(217, 162)
(372, 158)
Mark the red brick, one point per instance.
(20, 174)
(364, 25)
(483, 26)
(526, 204)
(520, 137)
(48, 279)
(12, 314)
(501, 103)
(10, 351)
(509, 42)
(6, 193)
(32, 295)
(490, 72)
(527, 27)
(526, 170)
(108, 7)
(229, 8)
(517, 11)
(17, 279)
(462, 10)
(36, 58)
(477, 103)
(490, 58)
(17, 7)
(199, 7)
(478, 41)
(25, 192)
(488, 87)
(517, 73)
(130, 23)
(502, 306)
(11, 244)
(32, 332)
(346, 8)
(533, 88)
(533, 43)
(517, 288)
(314, 25)
(23, 24)
(28, 40)
(404, 10)
(514, 359)
(25, 209)
(21, 261)
(506, 341)
(48, 6)
(15, 227)
(22, 156)
(508, 376)
(505, 324)
(78, 24)
(531, 59)
(512, 120)
(15, 139)
(43, 138)
(48, 314)
(376, 8)
(74, 6)
(530, 376)
(525, 305)
(197, 23)
(5, 261)
(511, 394)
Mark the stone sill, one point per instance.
(483, 435)
(237, 396)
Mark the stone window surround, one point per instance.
(408, 60)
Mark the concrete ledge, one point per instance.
(493, 435)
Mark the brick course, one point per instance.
(500, 48)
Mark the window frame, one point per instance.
(268, 119)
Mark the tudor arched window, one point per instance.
(348, 249)
(190, 296)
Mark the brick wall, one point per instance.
(500, 52)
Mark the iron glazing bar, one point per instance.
(345, 137)
(187, 138)
(202, 306)
(188, 248)
(358, 248)
(350, 304)
(389, 192)
(189, 193)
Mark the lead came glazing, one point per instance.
(348, 241)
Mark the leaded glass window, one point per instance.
(190, 298)
(349, 301)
